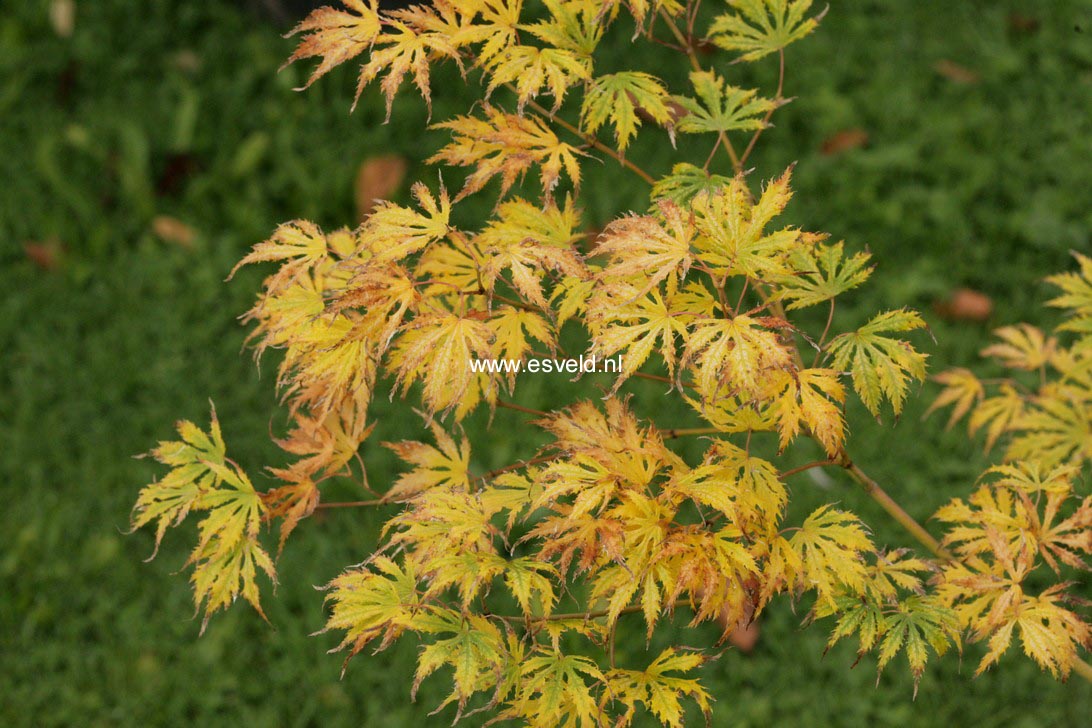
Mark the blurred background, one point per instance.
(145, 146)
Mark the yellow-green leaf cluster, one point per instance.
(228, 554)
(757, 28)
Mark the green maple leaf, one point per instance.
(685, 182)
(758, 28)
(881, 366)
(823, 272)
(616, 98)
(721, 107)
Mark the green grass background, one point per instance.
(978, 184)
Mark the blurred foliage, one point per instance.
(978, 179)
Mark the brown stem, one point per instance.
(658, 378)
(687, 431)
(712, 153)
(737, 162)
(801, 468)
(515, 304)
(823, 337)
(521, 408)
(742, 293)
(653, 377)
(765, 122)
(907, 521)
(355, 504)
(594, 614)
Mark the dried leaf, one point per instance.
(377, 178)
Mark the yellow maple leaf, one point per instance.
(437, 349)
(623, 319)
(733, 354)
(961, 389)
(810, 397)
(1021, 347)
(529, 243)
(447, 464)
(882, 366)
(658, 691)
(760, 27)
(1049, 633)
(829, 545)
(409, 43)
(394, 232)
(336, 35)
(506, 145)
(377, 601)
(533, 69)
(301, 243)
(734, 239)
(228, 554)
(646, 249)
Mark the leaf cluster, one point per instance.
(518, 582)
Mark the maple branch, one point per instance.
(594, 614)
(712, 153)
(766, 121)
(893, 509)
(907, 521)
(355, 504)
(688, 46)
(687, 431)
(515, 304)
(665, 380)
(742, 293)
(692, 16)
(593, 142)
(652, 377)
(520, 408)
(801, 468)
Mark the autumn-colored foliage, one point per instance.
(516, 582)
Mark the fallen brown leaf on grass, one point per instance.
(377, 179)
(955, 72)
(1019, 23)
(744, 639)
(187, 61)
(172, 230)
(47, 254)
(965, 304)
(843, 141)
(62, 16)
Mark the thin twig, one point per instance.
(823, 337)
(520, 408)
(801, 468)
(896, 511)
(688, 45)
(593, 614)
(766, 121)
(688, 431)
(355, 504)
